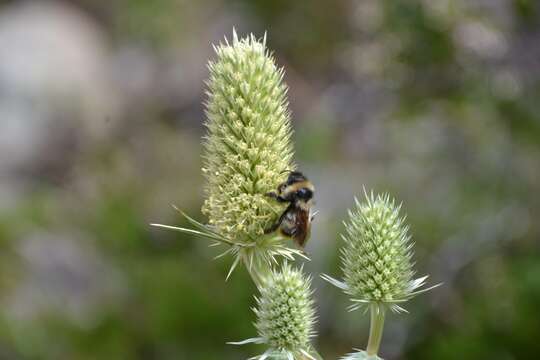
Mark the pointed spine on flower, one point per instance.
(285, 314)
(376, 259)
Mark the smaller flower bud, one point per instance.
(376, 260)
(374, 230)
(285, 315)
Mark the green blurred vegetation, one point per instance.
(436, 102)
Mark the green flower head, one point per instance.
(376, 260)
(285, 314)
(248, 145)
(247, 153)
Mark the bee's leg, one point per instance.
(272, 228)
(273, 195)
(278, 223)
(312, 217)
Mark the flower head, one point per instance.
(248, 145)
(247, 151)
(376, 260)
(285, 314)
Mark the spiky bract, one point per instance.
(360, 355)
(248, 147)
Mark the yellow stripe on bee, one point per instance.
(297, 186)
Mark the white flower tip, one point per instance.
(335, 282)
(247, 341)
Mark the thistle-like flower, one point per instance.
(285, 315)
(248, 146)
(376, 260)
(376, 263)
(247, 151)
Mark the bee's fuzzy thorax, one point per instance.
(294, 187)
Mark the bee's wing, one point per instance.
(303, 224)
(312, 215)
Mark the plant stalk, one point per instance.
(256, 270)
(376, 329)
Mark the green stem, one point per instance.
(376, 329)
(256, 270)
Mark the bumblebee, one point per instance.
(295, 222)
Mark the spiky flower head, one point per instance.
(285, 314)
(248, 145)
(376, 260)
(247, 152)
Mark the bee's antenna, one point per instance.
(286, 170)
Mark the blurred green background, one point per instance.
(436, 102)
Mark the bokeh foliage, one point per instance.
(435, 102)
